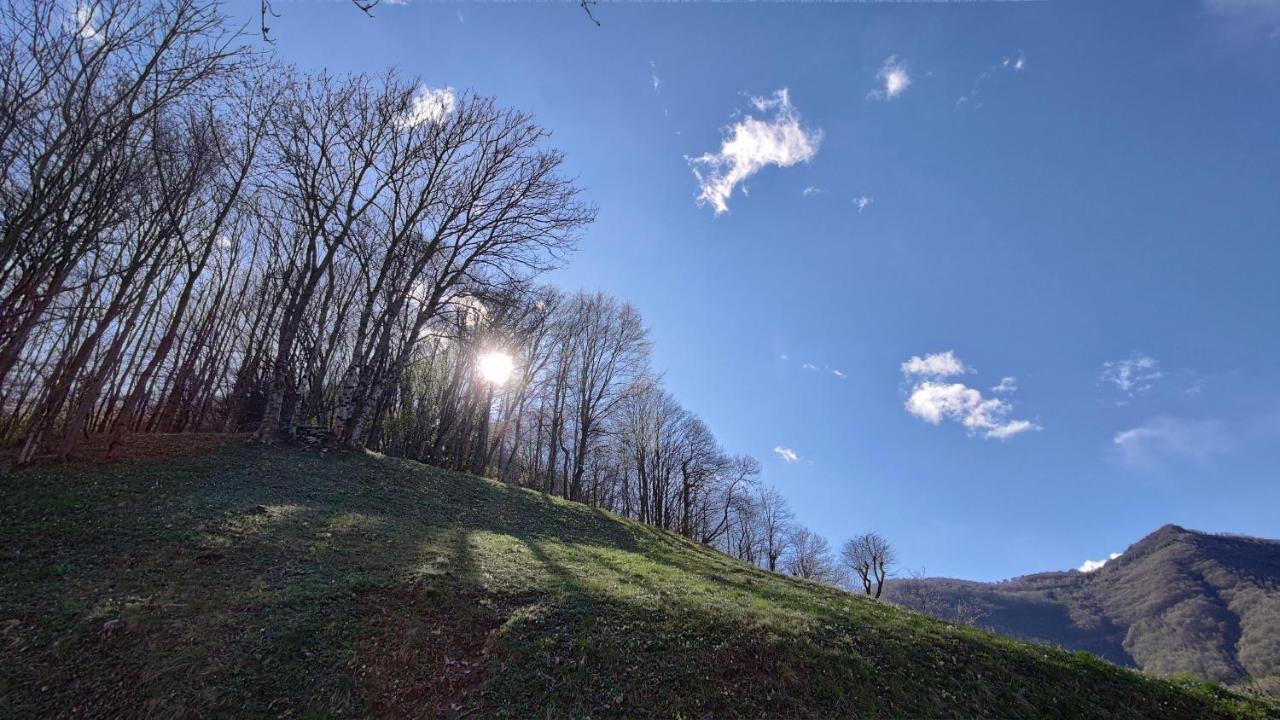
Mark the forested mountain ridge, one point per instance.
(260, 581)
(1175, 601)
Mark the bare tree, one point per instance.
(776, 520)
(609, 351)
(869, 556)
(967, 612)
(479, 207)
(327, 150)
(726, 507)
(920, 593)
(811, 558)
(105, 155)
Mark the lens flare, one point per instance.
(496, 367)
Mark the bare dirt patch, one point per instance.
(425, 655)
(137, 447)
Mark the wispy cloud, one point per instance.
(1001, 431)
(1166, 439)
(1014, 63)
(812, 190)
(823, 369)
(1008, 384)
(752, 144)
(894, 79)
(862, 202)
(1258, 17)
(934, 400)
(653, 76)
(787, 454)
(1090, 565)
(1133, 375)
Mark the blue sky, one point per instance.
(1084, 197)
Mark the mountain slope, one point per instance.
(256, 582)
(1176, 601)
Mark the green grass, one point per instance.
(253, 582)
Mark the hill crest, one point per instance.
(254, 581)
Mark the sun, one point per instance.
(496, 367)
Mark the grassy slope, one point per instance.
(266, 582)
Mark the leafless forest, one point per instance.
(199, 239)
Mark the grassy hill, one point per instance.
(1177, 601)
(255, 582)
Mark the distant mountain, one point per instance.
(1176, 601)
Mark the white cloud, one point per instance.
(751, 145)
(812, 190)
(1166, 439)
(840, 374)
(1133, 375)
(936, 365)
(808, 366)
(895, 79)
(862, 202)
(1091, 565)
(653, 76)
(934, 401)
(1008, 384)
(430, 105)
(787, 454)
(86, 22)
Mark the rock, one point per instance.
(317, 437)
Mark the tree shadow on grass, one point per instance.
(257, 582)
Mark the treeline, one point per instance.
(197, 238)
(582, 415)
